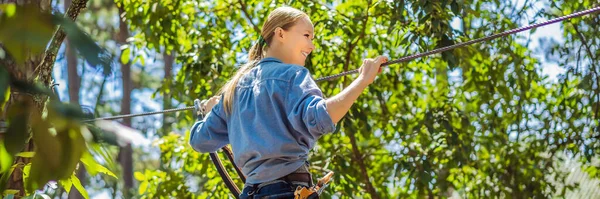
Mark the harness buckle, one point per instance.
(314, 191)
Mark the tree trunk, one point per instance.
(73, 85)
(126, 153)
(15, 181)
(24, 72)
(169, 58)
(74, 80)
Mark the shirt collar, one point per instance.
(269, 59)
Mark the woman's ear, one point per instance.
(278, 33)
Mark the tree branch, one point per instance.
(594, 68)
(245, 11)
(331, 9)
(353, 45)
(44, 69)
(362, 167)
(384, 109)
(357, 154)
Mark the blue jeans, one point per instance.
(276, 190)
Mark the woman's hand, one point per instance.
(210, 103)
(370, 68)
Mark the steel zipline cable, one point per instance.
(403, 59)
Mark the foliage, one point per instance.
(183, 171)
(480, 121)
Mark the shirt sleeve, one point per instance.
(307, 108)
(210, 134)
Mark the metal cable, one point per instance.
(403, 59)
(439, 50)
(140, 114)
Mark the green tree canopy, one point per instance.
(482, 121)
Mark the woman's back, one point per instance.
(278, 114)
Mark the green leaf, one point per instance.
(39, 174)
(104, 170)
(454, 7)
(101, 136)
(74, 146)
(67, 184)
(143, 187)
(50, 162)
(67, 142)
(48, 146)
(142, 60)
(9, 196)
(17, 133)
(66, 111)
(26, 173)
(4, 100)
(27, 154)
(93, 167)
(11, 192)
(125, 55)
(79, 187)
(139, 176)
(5, 175)
(25, 30)
(9, 8)
(6, 159)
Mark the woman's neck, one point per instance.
(277, 54)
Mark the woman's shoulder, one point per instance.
(283, 71)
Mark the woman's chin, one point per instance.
(301, 62)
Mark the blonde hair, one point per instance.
(282, 17)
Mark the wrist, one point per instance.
(362, 82)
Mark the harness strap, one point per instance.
(224, 175)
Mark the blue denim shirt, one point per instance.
(277, 116)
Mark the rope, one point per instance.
(403, 59)
(439, 50)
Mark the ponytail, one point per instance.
(256, 54)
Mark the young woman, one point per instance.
(272, 112)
